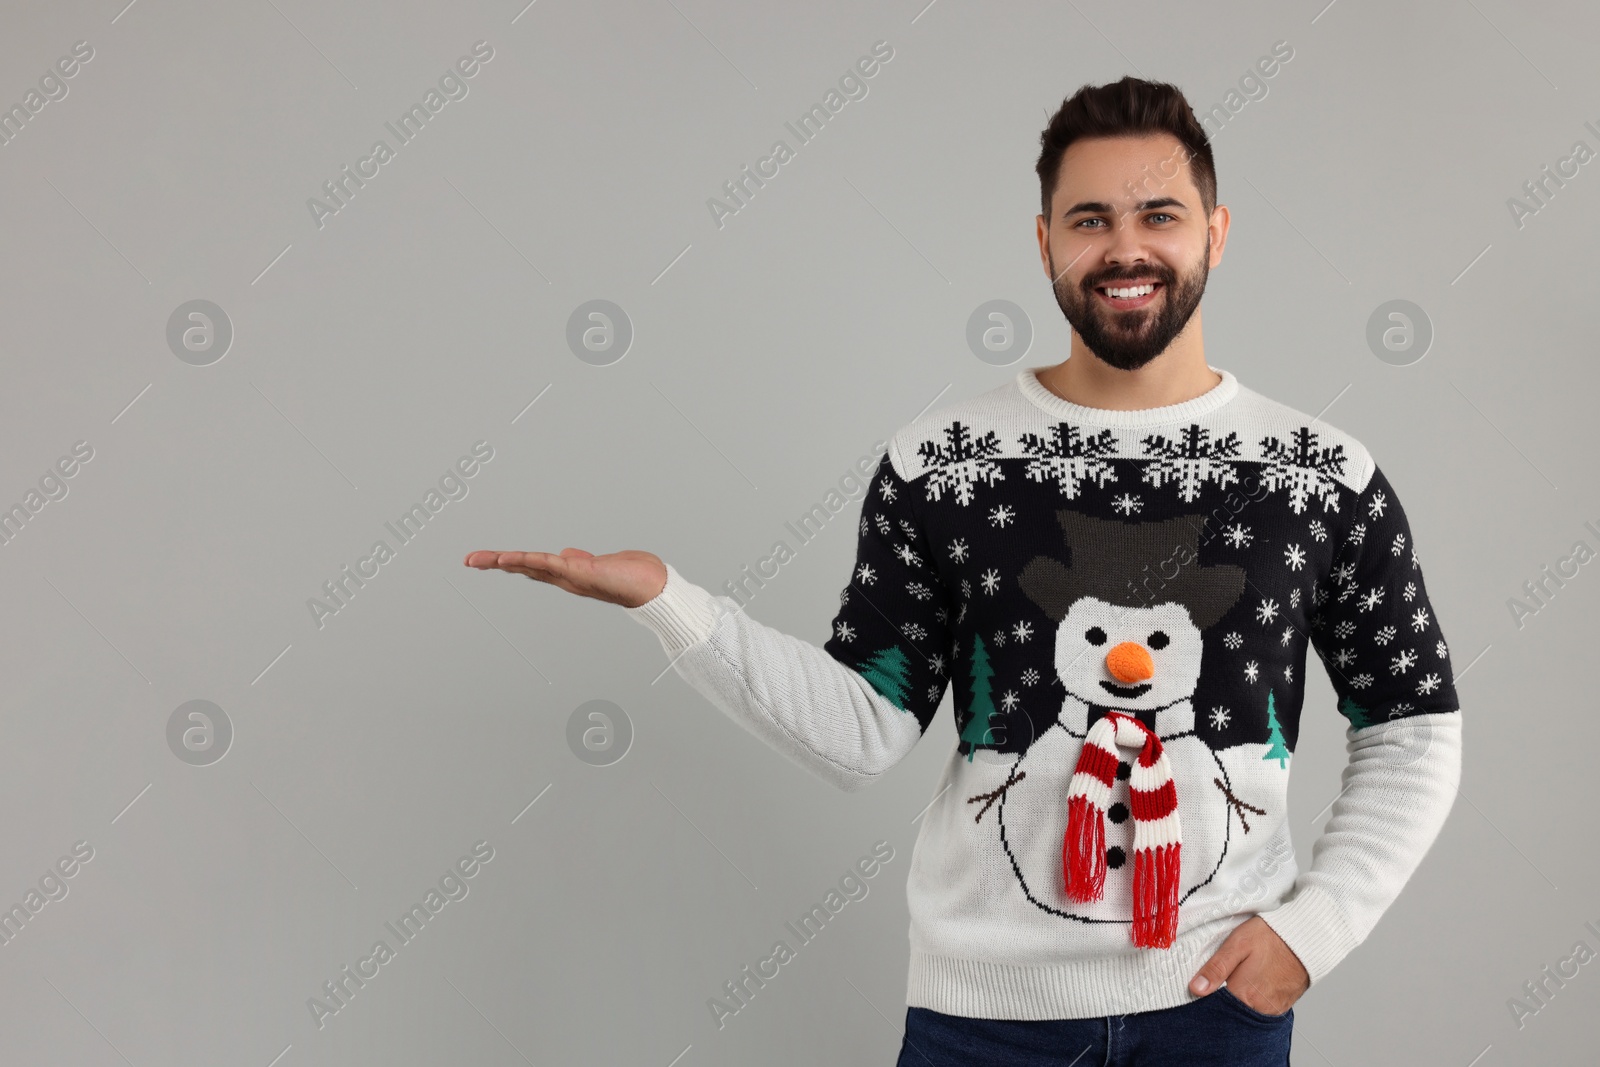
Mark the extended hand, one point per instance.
(626, 578)
(1259, 967)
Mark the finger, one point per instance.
(1220, 965)
(576, 553)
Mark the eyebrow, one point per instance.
(1102, 207)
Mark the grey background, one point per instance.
(370, 354)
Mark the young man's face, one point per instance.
(1126, 213)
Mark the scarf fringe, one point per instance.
(1155, 909)
(1083, 850)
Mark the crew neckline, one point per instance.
(1034, 390)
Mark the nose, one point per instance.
(1130, 662)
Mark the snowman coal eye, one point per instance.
(1158, 640)
(1095, 636)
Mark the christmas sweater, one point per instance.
(1120, 605)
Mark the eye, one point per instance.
(1095, 636)
(1158, 640)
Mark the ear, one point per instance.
(1047, 582)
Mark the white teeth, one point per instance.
(1140, 290)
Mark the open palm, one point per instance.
(628, 578)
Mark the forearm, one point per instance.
(788, 692)
(1397, 790)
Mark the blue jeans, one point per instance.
(1216, 1030)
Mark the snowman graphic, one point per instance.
(1130, 612)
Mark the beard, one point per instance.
(1128, 340)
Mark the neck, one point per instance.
(1178, 374)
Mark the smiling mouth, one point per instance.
(1126, 690)
(1126, 297)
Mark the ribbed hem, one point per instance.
(1143, 980)
(1313, 925)
(1213, 398)
(682, 614)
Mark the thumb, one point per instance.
(1220, 965)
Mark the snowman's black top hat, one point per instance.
(1131, 564)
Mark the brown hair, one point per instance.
(1127, 108)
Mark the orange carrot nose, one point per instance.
(1130, 662)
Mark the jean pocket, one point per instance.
(1228, 997)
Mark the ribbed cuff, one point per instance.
(681, 615)
(1313, 925)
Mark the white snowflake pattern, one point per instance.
(862, 526)
(1127, 503)
(908, 555)
(866, 575)
(1429, 683)
(914, 631)
(1288, 635)
(1030, 677)
(961, 462)
(1022, 631)
(962, 614)
(1358, 534)
(999, 639)
(1343, 573)
(1294, 557)
(1409, 593)
(1415, 563)
(1371, 599)
(1398, 545)
(1318, 531)
(958, 550)
(1419, 620)
(937, 663)
(1384, 635)
(934, 692)
(1191, 459)
(966, 588)
(1303, 468)
(1288, 673)
(1376, 505)
(1319, 595)
(991, 581)
(1219, 717)
(1233, 640)
(846, 633)
(1294, 598)
(1002, 516)
(1403, 662)
(1344, 629)
(1266, 611)
(1238, 535)
(1067, 456)
(1442, 649)
(907, 528)
(943, 614)
(1252, 671)
(1009, 700)
(882, 523)
(844, 596)
(918, 590)
(1343, 658)
(887, 490)
(1361, 681)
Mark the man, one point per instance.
(1117, 564)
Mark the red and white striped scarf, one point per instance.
(1157, 835)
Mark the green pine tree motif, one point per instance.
(889, 672)
(1278, 750)
(1358, 715)
(979, 729)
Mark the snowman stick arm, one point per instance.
(1398, 787)
(791, 694)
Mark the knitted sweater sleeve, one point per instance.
(851, 709)
(1387, 661)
